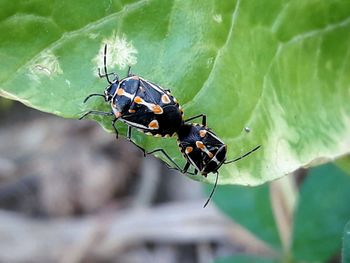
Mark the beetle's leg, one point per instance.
(181, 171)
(128, 136)
(185, 169)
(167, 90)
(115, 128)
(105, 75)
(177, 167)
(94, 112)
(203, 116)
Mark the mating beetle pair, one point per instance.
(153, 110)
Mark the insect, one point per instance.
(153, 110)
(140, 104)
(202, 149)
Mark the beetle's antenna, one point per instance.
(244, 155)
(105, 64)
(213, 190)
(92, 95)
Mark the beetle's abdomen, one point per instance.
(162, 125)
(201, 147)
(169, 121)
(149, 107)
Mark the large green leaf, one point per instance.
(344, 164)
(279, 67)
(246, 259)
(318, 221)
(346, 244)
(322, 212)
(251, 208)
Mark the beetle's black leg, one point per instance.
(172, 168)
(244, 155)
(128, 136)
(115, 128)
(203, 116)
(177, 167)
(187, 165)
(94, 112)
(185, 169)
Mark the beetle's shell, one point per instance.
(146, 106)
(202, 148)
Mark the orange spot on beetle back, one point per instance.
(157, 109)
(138, 100)
(200, 145)
(188, 149)
(120, 92)
(153, 125)
(165, 99)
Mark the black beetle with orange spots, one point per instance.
(140, 104)
(202, 149)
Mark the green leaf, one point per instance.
(323, 210)
(246, 259)
(344, 164)
(279, 67)
(251, 208)
(346, 244)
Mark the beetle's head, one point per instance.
(111, 89)
(213, 164)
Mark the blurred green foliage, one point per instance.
(346, 244)
(320, 215)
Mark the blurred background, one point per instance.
(70, 192)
